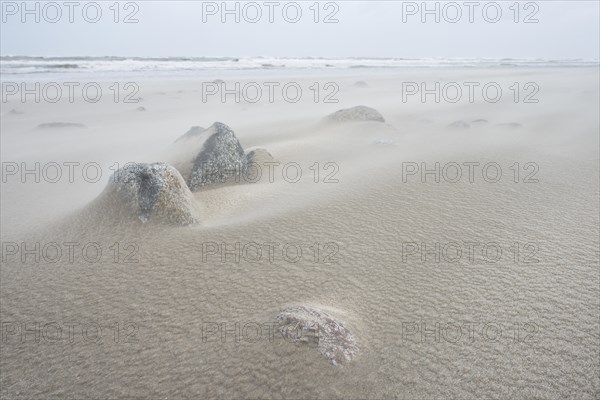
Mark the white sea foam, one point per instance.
(18, 66)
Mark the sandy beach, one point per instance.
(457, 242)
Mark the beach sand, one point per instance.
(360, 212)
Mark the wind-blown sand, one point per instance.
(176, 294)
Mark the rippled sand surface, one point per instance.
(461, 327)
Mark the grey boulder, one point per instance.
(150, 193)
(221, 158)
(213, 156)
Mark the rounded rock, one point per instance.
(150, 192)
(358, 113)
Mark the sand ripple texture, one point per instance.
(172, 303)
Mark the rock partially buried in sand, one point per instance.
(60, 125)
(361, 84)
(509, 125)
(221, 158)
(150, 192)
(192, 132)
(140, 108)
(259, 156)
(312, 326)
(358, 113)
(214, 155)
(459, 125)
(384, 142)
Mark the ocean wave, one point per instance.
(19, 65)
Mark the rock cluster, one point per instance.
(163, 193)
(215, 156)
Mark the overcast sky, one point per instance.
(565, 29)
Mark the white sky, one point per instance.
(566, 29)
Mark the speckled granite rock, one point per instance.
(221, 158)
(358, 113)
(213, 156)
(312, 326)
(151, 192)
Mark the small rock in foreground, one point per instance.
(314, 327)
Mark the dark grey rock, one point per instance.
(358, 113)
(214, 156)
(221, 158)
(315, 328)
(150, 192)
